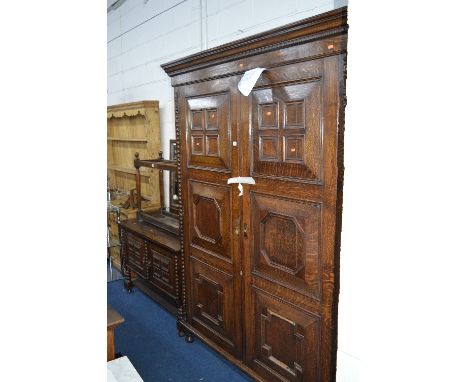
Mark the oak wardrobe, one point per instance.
(260, 272)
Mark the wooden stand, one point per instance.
(150, 244)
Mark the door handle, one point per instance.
(245, 230)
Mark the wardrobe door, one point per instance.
(208, 114)
(289, 220)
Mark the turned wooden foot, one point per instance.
(128, 286)
(180, 330)
(189, 338)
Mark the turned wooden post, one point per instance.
(161, 184)
(136, 162)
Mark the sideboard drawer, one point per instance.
(136, 254)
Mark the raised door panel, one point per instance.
(290, 215)
(208, 126)
(136, 254)
(213, 306)
(210, 220)
(286, 242)
(287, 125)
(287, 341)
(279, 271)
(208, 132)
(162, 272)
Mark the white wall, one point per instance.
(180, 28)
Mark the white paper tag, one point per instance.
(240, 180)
(248, 80)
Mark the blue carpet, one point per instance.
(148, 337)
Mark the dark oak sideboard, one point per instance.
(153, 256)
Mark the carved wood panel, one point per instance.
(272, 291)
(290, 214)
(210, 217)
(208, 128)
(287, 130)
(286, 242)
(287, 341)
(213, 306)
(162, 272)
(208, 124)
(136, 253)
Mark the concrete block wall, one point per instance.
(143, 34)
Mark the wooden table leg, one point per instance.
(114, 319)
(110, 344)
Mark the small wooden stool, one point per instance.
(113, 320)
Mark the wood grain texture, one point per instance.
(114, 319)
(154, 256)
(303, 31)
(131, 127)
(260, 272)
